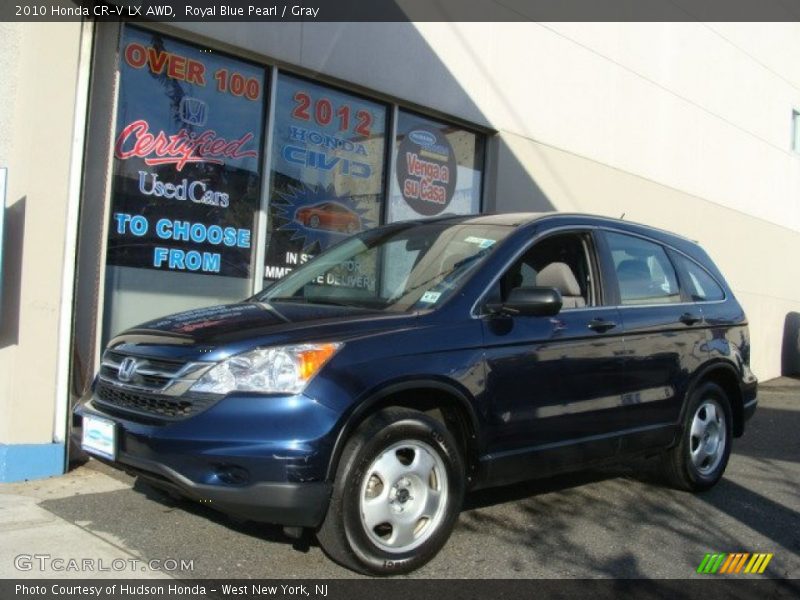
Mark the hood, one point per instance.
(252, 323)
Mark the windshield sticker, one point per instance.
(482, 242)
(430, 297)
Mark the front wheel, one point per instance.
(698, 461)
(397, 494)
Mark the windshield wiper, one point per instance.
(323, 301)
(328, 302)
(285, 299)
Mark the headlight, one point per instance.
(283, 369)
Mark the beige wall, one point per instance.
(39, 64)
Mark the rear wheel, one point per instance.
(397, 494)
(699, 460)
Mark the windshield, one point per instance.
(397, 268)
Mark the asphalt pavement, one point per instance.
(613, 522)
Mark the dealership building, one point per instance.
(154, 168)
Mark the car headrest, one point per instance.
(633, 269)
(558, 275)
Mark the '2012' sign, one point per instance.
(323, 113)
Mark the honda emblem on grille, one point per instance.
(127, 369)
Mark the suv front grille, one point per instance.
(155, 405)
(155, 387)
(153, 373)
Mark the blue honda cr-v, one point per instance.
(365, 393)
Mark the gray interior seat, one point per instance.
(558, 275)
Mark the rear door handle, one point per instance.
(601, 325)
(690, 319)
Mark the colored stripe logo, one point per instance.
(734, 563)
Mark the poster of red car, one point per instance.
(330, 216)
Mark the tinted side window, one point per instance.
(644, 272)
(700, 285)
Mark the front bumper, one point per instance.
(260, 458)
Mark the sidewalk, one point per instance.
(38, 544)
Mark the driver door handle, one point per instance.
(601, 325)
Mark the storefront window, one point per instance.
(186, 179)
(438, 169)
(327, 173)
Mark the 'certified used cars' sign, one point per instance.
(186, 158)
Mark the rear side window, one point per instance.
(700, 285)
(644, 272)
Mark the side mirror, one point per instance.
(530, 302)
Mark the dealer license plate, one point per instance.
(99, 436)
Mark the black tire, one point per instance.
(677, 465)
(314, 221)
(344, 535)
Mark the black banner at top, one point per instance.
(400, 10)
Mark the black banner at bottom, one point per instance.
(710, 588)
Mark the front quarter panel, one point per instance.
(450, 353)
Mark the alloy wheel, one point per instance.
(403, 496)
(707, 436)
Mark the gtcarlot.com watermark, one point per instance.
(47, 563)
